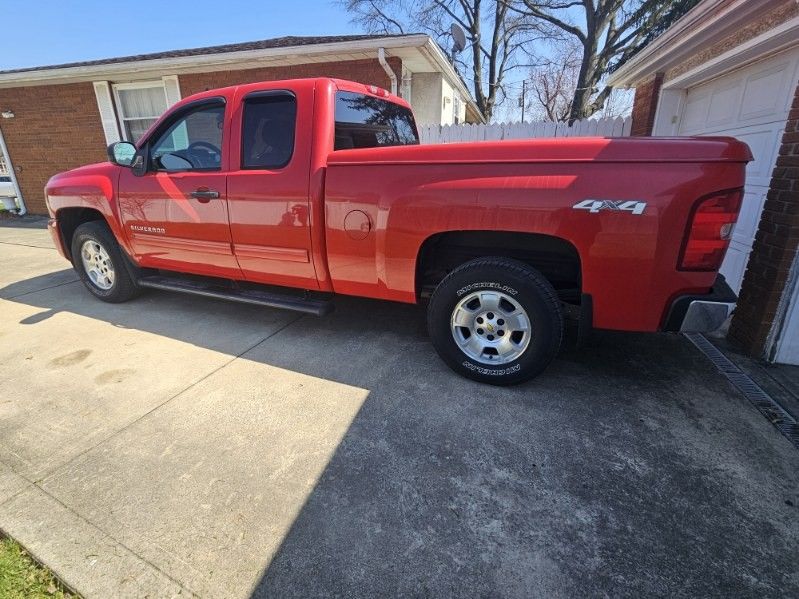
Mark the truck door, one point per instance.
(175, 215)
(268, 185)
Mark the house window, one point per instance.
(456, 109)
(139, 105)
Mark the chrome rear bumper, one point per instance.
(702, 313)
(705, 317)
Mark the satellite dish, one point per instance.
(458, 37)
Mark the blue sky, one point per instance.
(43, 32)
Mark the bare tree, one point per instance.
(377, 16)
(608, 32)
(553, 83)
(619, 103)
(498, 38)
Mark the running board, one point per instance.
(317, 307)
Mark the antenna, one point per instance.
(458, 37)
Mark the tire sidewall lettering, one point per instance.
(491, 371)
(486, 285)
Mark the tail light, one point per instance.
(710, 230)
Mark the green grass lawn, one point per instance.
(23, 578)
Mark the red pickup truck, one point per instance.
(284, 193)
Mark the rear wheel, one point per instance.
(496, 320)
(98, 260)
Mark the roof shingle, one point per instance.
(277, 42)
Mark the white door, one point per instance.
(788, 341)
(751, 104)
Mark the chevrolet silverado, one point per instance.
(285, 193)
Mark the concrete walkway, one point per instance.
(176, 446)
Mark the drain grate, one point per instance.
(766, 405)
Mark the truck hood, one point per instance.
(563, 149)
(98, 168)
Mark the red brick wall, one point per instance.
(55, 128)
(774, 249)
(645, 105)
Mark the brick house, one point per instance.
(58, 117)
(731, 67)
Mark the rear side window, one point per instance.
(368, 122)
(268, 130)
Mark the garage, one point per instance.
(752, 105)
(730, 68)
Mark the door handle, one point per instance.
(204, 194)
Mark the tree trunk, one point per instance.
(582, 94)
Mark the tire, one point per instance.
(509, 355)
(109, 280)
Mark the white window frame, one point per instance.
(137, 85)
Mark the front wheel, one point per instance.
(98, 261)
(495, 320)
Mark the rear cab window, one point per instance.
(364, 121)
(268, 129)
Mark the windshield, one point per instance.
(368, 122)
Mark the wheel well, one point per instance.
(70, 219)
(555, 258)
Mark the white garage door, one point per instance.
(751, 104)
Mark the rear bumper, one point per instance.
(702, 313)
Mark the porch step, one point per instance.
(258, 297)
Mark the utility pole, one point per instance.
(522, 99)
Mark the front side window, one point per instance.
(139, 107)
(367, 122)
(268, 130)
(192, 142)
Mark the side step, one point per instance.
(317, 307)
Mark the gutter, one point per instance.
(23, 210)
(381, 58)
(708, 20)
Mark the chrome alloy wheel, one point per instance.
(490, 327)
(97, 264)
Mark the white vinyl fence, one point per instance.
(437, 134)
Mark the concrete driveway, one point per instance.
(177, 446)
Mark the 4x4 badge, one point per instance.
(634, 206)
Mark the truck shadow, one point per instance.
(354, 322)
(443, 487)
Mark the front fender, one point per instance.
(93, 187)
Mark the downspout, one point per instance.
(381, 58)
(4, 149)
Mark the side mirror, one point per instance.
(122, 153)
